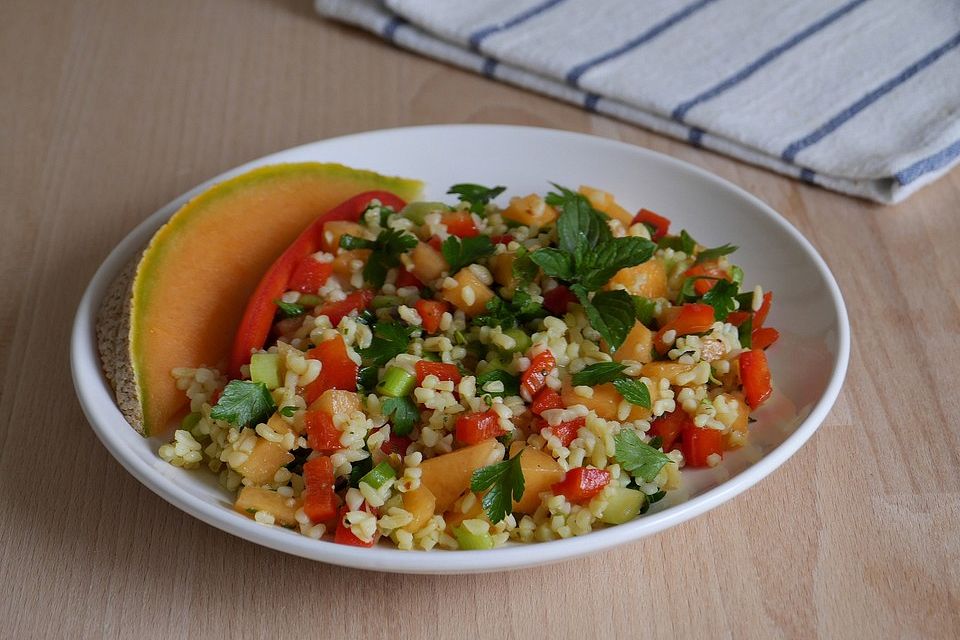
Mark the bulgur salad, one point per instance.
(464, 375)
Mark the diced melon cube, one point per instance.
(540, 472)
(605, 399)
(428, 263)
(253, 499)
(530, 210)
(501, 266)
(335, 229)
(648, 279)
(335, 402)
(470, 295)
(605, 202)
(421, 504)
(668, 370)
(342, 263)
(447, 476)
(637, 345)
(264, 461)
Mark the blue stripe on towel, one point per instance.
(489, 67)
(390, 30)
(695, 136)
(808, 175)
(480, 35)
(681, 111)
(931, 163)
(838, 120)
(573, 77)
(590, 102)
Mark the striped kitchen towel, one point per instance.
(859, 96)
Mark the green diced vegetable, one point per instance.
(623, 505)
(265, 368)
(417, 211)
(397, 382)
(309, 300)
(383, 302)
(190, 421)
(471, 541)
(379, 475)
(521, 338)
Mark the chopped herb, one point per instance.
(645, 308)
(510, 313)
(462, 252)
(603, 261)
(598, 373)
(288, 411)
(403, 411)
(388, 246)
(736, 274)
(367, 377)
(656, 497)
(682, 242)
(477, 195)
(712, 254)
(611, 313)
(243, 403)
(745, 332)
(511, 383)
(351, 243)
(390, 339)
(633, 391)
(524, 269)
(722, 297)
(359, 469)
(290, 309)
(656, 442)
(638, 457)
(503, 483)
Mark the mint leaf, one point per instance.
(605, 260)
(633, 391)
(403, 414)
(722, 297)
(505, 483)
(611, 313)
(350, 242)
(555, 263)
(290, 309)
(390, 339)
(712, 254)
(511, 383)
(645, 308)
(580, 226)
(243, 403)
(477, 195)
(524, 268)
(637, 457)
(462, 252)
(683, 242)
(598, 373)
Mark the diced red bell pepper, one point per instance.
(337, 311)
(337, 370)
(319, 497)
(699, 444)
(431, 312)
(345, 536)
(761, 315)
(504, 239)
(737, 318)
(258, 316)
(763, 337)
(443, 371)
(435, 242)
(566, 432)
(545, 400)
(478, 426)
(705, 269)
(755, 376)
(693, 318)
(310, 275)
(582, 484)
(396, 444)
(661, 225)
(535, 377)
(460, 224)
(407, 279)
(558, 299)
(669, 426)
(322, 435)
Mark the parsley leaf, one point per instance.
(505, 483)
(477, 195)
(290, 309)
(524, 269)
(461, 252)
(404, 414)
(633, 391)
(243, 403)
(722, 297)
(511, 383)
(288, 411)
(367, 377)
(611, 313)
(359, 469)
(637, 457)
(390, 339)
(388, 246)
(350, 242)
(712, 254)
(598, 373)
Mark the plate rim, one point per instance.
(90, 391)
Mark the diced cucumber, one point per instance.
(265, 368)
(472, 541)
(383, 302)
(379, 475)
(417, 211)
(309, 300)
(623, 505)
(397, 382)
(190, 421)
(520, 337)
(736, 273)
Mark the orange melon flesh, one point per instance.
(200, 268)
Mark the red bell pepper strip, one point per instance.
(407, 279)
(504, 239)
(460, 224)
(545, 400)
(581, 484)
(309, 275)
(396, 444)
(431, 312)
(319, 497)
(699, 444)
(737, 318)
(669, 426)
(661, 225)
(337, 370)
(345, 536)
(705, 269)
(755, 376)
(567, 431)
(322, 435)
(478, 426)
(763, 337)
(535, 377)
(337, 311)
(258, 316)
(761, 315)
(693, 318)
(443, 371)
(558, 299)
(435, 242)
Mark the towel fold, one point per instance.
(859, 96)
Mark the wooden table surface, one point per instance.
(109, 108)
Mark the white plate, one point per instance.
(808, 363)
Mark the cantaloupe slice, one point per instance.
(182, 305)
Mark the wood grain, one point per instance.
(109, 108)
